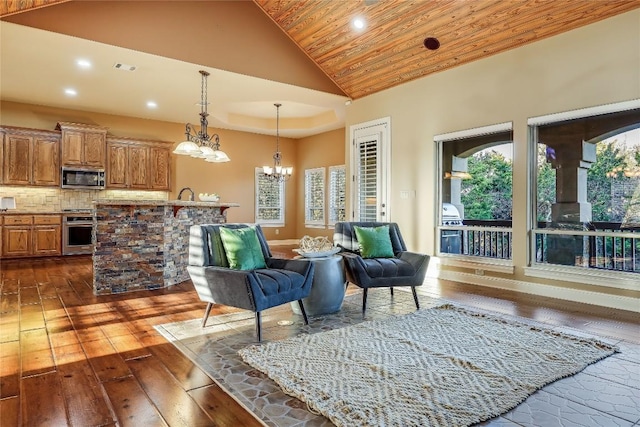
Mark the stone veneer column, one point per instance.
(144, 246)
(176, 238)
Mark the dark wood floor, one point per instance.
(70, 358)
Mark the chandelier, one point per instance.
(200, 144)
(277, 172)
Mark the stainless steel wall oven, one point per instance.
(77, 233)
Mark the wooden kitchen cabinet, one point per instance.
(139, 167)
(31, 235)
(47, 235)
(16, 236)
(136, 164)
(30, 157)
(18, 154)
(83, 145)
(117, 165)
(160, 170)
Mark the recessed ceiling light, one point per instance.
(359, 23)
(70, 92)
(152, 104)
(83, 63)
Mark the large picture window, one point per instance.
(269, 200)
(475, 168)
(587, 189)
(314, 197)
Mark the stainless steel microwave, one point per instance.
(82, 178)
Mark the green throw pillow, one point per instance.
(375, 242)
(242, 247)
(217, 256)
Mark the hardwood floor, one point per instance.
(70, 358)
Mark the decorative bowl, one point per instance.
(318, 254)
(316, 247)
(208, 197)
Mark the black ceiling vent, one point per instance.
(431, 43)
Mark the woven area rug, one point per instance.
(444, 366)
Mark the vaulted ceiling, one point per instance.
(391, 50)
(313, 45)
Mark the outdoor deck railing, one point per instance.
(604, 246)
(488, 239)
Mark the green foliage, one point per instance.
(546, 185)
(488, 193)
(599, 179)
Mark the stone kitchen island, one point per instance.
(144, 244)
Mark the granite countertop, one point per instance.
(181, 203)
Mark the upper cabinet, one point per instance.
(160, 170)
(34, 157)
(83, 145)
(30, 157)
(138, 164)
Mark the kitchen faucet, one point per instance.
(191, 196)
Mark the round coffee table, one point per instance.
(327, 289)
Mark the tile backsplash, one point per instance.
(36, 199)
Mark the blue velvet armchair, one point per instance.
(282, 281)
(404, 268)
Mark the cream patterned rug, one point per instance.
(444, 366)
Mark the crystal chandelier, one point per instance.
(199, 144)
(277, 172)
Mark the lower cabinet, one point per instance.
(31, 236)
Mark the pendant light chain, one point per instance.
(277, 172)
(200, 144)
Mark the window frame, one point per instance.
(378, 132)
(570, 273)
(308, 183)
(334, 199)
(490, 263)
(280, 222)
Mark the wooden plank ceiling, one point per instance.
(391, 51)
(10, 7)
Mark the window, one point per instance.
(337, 194)
(269, 201)
(586, 177)
(475, 167)
(314, 197)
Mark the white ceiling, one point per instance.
(36, 67)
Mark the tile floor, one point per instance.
(606, 393)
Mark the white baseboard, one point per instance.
(283, 242)
(551, 291)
